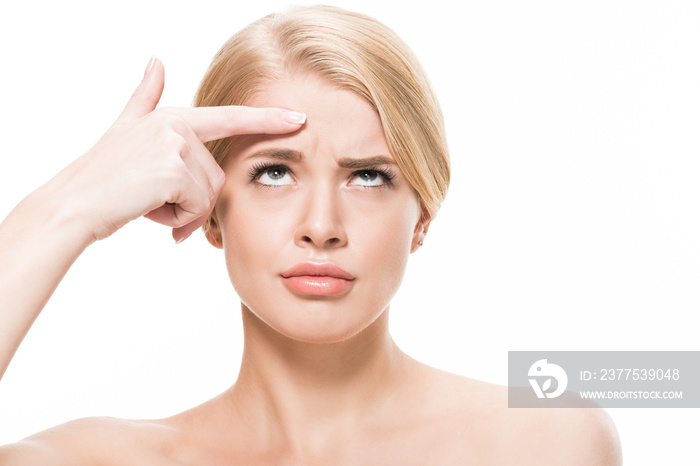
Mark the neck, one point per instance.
(303, 393)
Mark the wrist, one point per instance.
(49, 215)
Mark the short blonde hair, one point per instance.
(355, 52)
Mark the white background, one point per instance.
(573, 221)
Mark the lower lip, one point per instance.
(317, 286)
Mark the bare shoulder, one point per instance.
(94, 441)
(571, 436)
(478, 425)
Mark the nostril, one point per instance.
(330, 241)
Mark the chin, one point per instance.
(315, 320)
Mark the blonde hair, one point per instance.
(356, 53)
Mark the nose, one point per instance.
(321, 224)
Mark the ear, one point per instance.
(419, 233)
(212, 231)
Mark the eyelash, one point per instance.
(261, 167)
(385, 173)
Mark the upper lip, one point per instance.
(317, 270)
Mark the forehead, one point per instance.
(337, 118)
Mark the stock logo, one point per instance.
(542, 370)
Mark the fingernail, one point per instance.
(149, 67)
(182, 239)
(294, 118)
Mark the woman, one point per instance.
(337, 166)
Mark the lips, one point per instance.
(313, 279)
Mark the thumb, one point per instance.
(147, 94)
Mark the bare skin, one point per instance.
(420, 416)
(444, 427)
(321, 381)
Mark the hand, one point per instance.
(153, 163)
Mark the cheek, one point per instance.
(383, 240)
(384, 234)
(253, 233)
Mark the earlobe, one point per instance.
(212, 231)
(419, 234)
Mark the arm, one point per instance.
(39, 241)
(149, 163)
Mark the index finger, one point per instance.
(210, 123)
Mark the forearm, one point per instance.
(39, 241)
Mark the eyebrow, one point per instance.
(346, 162)
(277, 153)
(365, 163)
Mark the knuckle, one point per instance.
(160, 114)
(219, 180)
(176, 143)
(173, 173)
(167, 117)
(176, 172)
(231, 114)
(203, 204)
(195, 209)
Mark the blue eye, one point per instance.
(371, 178)
(275, 175)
